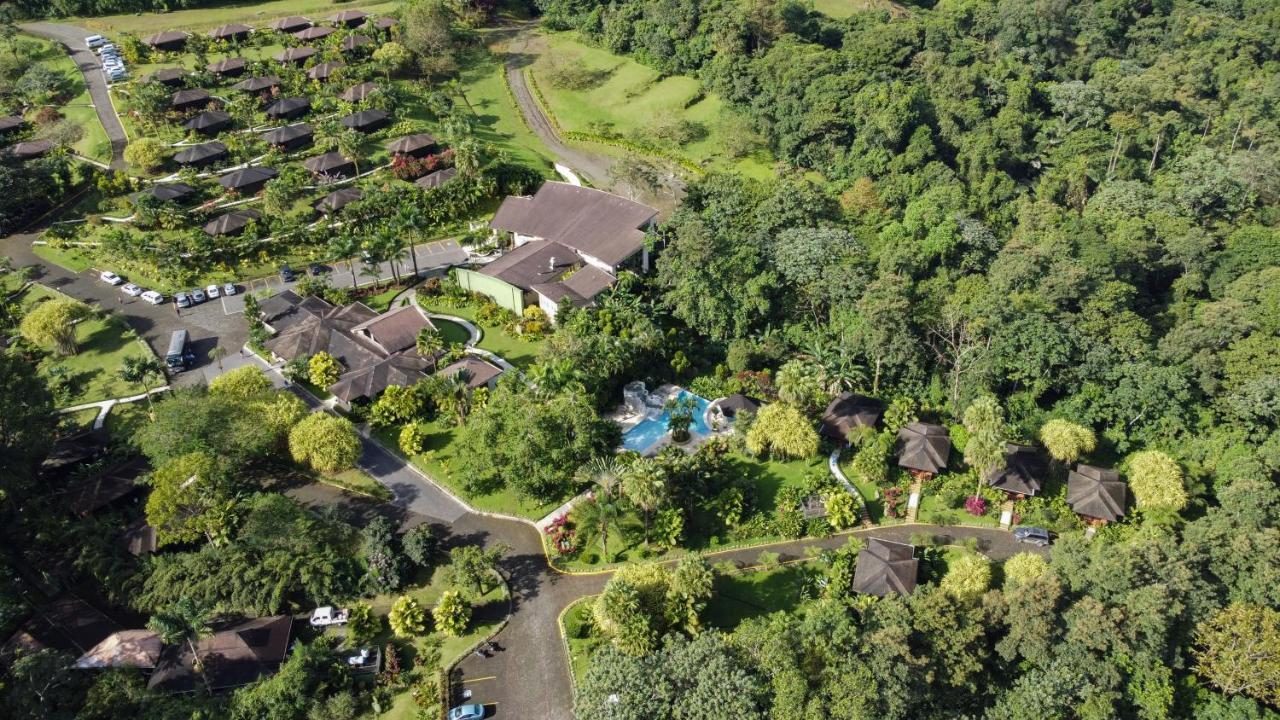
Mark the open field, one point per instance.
(633, 101)
(78, 107)
(847, 8)
(94, 369)
(205, 18)
(498, 119)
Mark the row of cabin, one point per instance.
(299, 27)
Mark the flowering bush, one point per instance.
(892, 496)
(407, 167)
(975, 505)
(563, 537)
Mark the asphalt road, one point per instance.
(73, 38)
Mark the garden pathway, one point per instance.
(104, 406)
(73, 38)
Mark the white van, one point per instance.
(94, 41)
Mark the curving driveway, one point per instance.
(73, 38)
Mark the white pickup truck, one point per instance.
(328, 615)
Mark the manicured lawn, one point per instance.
(751, 594)
(382, 301)
(437, 459)
(499, 121)
(358, 481)
(848, 8)
(518, 351)
(78, 107)
(256, 14)
(576, 625)
(70, 423)
(124, 420)
(104, 345)
(69, 258)
(452, 332)
(631, 97)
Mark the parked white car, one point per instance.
(94, 41)
(153, 297)
(131, 290)
(328, 615)
(110, 278)
(212, 291)
(229, 289)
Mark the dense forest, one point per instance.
(1071, 206)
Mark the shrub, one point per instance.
(419, 545)
(452, 613)
(407, 617)
(967, 578)
(842, 510)
(1023, 568)
(325, 442)
(975, 505)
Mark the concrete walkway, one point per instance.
(104, 406)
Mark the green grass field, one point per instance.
(631, 97)
(104, 345)
(78, 107)
(256, 14)
(498, 119)
(437, 461)
(848, 8)
(751, 594)
(518, 351)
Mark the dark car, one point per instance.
(1033, 536)
(287, 274)
(316, 269)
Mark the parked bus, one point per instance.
(179, 357)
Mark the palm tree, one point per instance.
(407, 221)
(430, 344)
(644, 484)
(186, 621)
(344, 244)
(600, 513)
(142, 370)
(349, 145)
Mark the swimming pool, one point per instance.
(647, 433)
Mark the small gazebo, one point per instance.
(366, 120)
(1097, 495)
(329, 165)
(436, 179)
(168, 192)
(209, 122)
(848, 411)
(232, 223)
(202, 154)
(414, 145)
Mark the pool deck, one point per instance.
(627, 420)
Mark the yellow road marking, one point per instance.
(479, 679)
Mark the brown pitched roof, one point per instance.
(581, 287)
(290, 24)
(404, 368)
(593, 222)
(330, 163)
(383, 23)
(478, 371)
(69, 623)
(348, 17)
(254, 84)
(168, 191)
(324, 70)
(410, 144)
(209, 121)
(230, 31)
(534, 263)
(200, 153)
(30, 149)
(288, 133)
(437, 178)
(247, 177)
(365, 119)
(314, 33)
(847, 411)
(231, 223)
(885, 567)
(328, 330)
(168, 37)
(1096, 492)
(1024, 470)
(353, 41)
(338, 199)
(127, 648)
(924, 447)
(233, 657)
(229, 65)
(194, 96)
(293, 55)
(395, 330)
(356, 93)
(167, 76)
(736, 403)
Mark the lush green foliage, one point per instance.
(326, 442)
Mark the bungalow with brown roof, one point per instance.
(127, 648)
(568, 243)
(885, 568)
(290, 24)
(229, 67)
(1023, 472)
(1097, 495)
(375, 350)
(848, 411)
(232, 657)
(475, 371)
(170, 40)
(923, 448)
(233, 31)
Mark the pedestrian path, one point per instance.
(104, 406)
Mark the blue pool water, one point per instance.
(643, 436)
